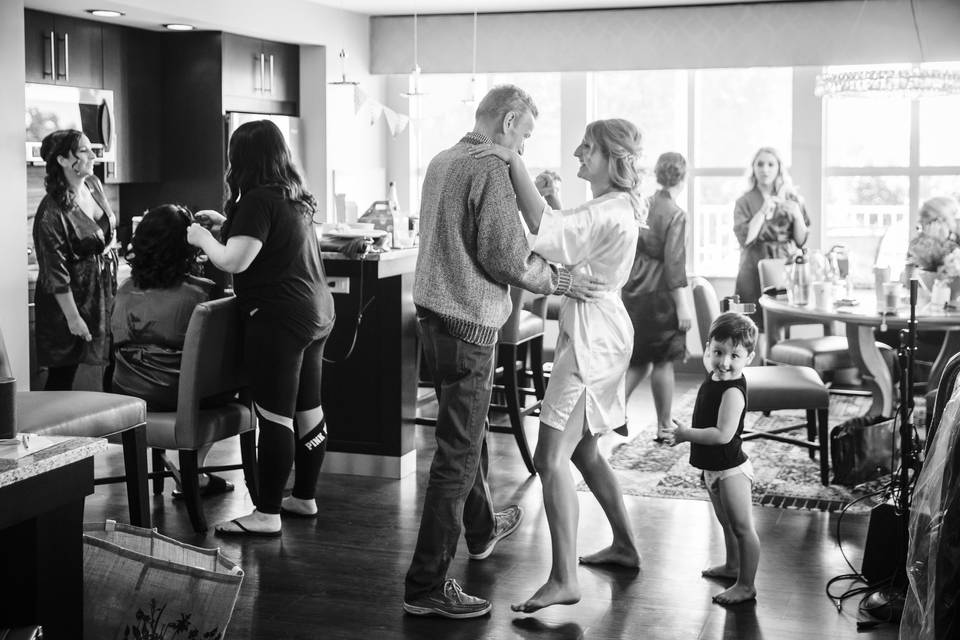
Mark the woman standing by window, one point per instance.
(769, 221)
(73, 235)
(272, 247)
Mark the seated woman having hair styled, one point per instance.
(152, 312)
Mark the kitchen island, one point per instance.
(369, 387)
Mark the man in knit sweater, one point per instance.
(472, 246)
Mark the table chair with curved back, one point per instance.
(91, 414)
(825, 354)
(521, 336)
(211, 366)
(776, 388)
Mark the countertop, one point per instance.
(62, 451)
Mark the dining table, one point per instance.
(861, 317)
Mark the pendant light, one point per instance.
(414, 82)
(343, 72)
(915, 82)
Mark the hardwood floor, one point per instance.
(341, 576)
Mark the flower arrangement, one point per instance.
(932, 253)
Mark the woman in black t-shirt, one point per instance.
(272, 248)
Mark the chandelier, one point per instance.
(915, 82)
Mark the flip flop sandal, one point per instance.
(242, 531)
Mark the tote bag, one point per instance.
(141, 585)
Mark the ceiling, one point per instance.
(408, 7)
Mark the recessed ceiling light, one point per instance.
(179, 27)
(106, 13)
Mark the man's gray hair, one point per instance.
(503, 99)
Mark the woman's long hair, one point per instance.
(56, 144)
(258, 157)
(620, 141)
(160, 256)
(782, 184)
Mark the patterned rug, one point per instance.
(786, 477)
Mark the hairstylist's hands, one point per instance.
(79, 328)
(585, 287)
(490, 149)
(197, 235)
(210, 219)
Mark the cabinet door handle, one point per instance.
(270, 90)
(53, 56)
(66, 58)
(262, 63)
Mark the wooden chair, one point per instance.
(521, 337)
(776, 388)
(91, 414)
(212, 366)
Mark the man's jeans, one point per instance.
(457, 489)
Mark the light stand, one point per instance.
(887, 604)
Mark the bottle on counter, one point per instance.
(399, 230)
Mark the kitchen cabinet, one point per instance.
(259, 75)
(63, 50)
(132, 69)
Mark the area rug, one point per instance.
(786, 477)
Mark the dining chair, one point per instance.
(776, 388)
(211, 367)
(91, 414)
(520, 358)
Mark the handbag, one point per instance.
(136, 580)
(862, 449)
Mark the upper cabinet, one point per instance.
(260, 76)
(63, 50)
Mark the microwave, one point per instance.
(53, 107)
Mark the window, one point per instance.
(736, 111)
(446, 112)
(883, 157)
(655, 101)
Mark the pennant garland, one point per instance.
(396, 122)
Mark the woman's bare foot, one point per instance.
(549, 594)
(722, 571)
(623, 557)
(736, 594)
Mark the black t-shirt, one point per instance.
(286, 279)
(716, 457)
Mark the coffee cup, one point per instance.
(8, 409)
(822, 295)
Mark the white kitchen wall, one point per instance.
(13, 194)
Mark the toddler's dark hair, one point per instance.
(735, 327)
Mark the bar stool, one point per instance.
(521, 337)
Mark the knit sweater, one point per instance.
(472, 245)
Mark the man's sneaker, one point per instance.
(506, 522)
(449, 602)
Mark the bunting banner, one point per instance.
(396, 122)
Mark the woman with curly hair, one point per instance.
(154, 306)
(152, 313)
(73, 235)
(585, 398)
(655, 295)
(271, 246)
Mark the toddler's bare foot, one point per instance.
(722, 571)
(549, 594)
(736, 594)
(623, 557)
